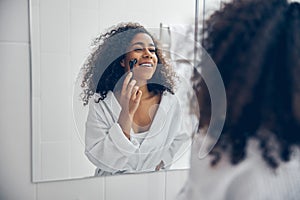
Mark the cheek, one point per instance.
(127, 59)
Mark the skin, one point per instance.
(135, 98)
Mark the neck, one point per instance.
(144, 90)
(146, 94)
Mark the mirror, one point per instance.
(61, 34)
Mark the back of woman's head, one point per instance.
(255, 45)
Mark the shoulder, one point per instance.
(269, 183)
(170, 99)
(97, 104)
(170, 104)
(96, 98)
(228, 181)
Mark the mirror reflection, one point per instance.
(135, 122)
(60, 46)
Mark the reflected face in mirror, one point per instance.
(142, 51)
(135, 122)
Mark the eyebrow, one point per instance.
(142, 44)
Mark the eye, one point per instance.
(138, 49)
(152, 50)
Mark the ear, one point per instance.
(122, 62)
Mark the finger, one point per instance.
(138, 96)
(134, 92)
(126, 81)
(130, 88)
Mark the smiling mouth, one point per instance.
(146, 65)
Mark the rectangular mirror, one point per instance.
(61, 34)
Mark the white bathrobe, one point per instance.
(112, 152)
(251, 179)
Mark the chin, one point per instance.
(144, 77)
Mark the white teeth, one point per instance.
(146, 65)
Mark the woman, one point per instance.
(256, 47)
(134, 122)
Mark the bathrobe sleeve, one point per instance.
(106, 146)
(180, 133)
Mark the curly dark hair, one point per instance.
(256, 46)
(102, 70)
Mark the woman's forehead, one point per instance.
(142, 38)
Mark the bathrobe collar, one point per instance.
(159, 118)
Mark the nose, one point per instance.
(147, 53)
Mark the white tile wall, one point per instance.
(83, 28)
(54, 26)
(79, 165)
(13, 21)
(80, 113)
(81, 189)
(55, 123)
(15, 134)
(149, 16)
(15, 140)
(147, 186)
(55, 160)
(87, 4)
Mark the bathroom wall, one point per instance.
(15, 132)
